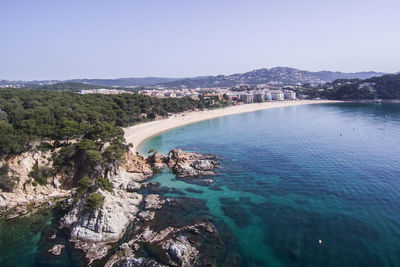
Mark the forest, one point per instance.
(383, 87)
(35, 116)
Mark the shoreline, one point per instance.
(137, 134)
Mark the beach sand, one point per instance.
(139, 133)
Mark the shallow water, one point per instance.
(292, 176)
(24, 241)
(289, 177)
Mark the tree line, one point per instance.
(383, 87)
(28, 115)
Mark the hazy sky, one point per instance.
(59, 39)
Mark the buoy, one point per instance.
(320, 241)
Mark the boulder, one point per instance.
(171, 246)
(157, 160)
(133, 186)
(146, 215)
(189, 164)
(153, 201)
(56, 249)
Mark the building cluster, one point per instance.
(164, 93)
(245, 95)
(263, 95)
(105, 91)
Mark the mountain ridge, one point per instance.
(273, 76)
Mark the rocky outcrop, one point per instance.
(153, 201)
(157, 160)
(189, 164)
(56, 249)
(172, 246)
(27, 192)
(93, 230)
(106, 224)
(136, 164)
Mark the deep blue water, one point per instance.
(292, 176)
(289, 177)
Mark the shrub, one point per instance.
(94, 202)
(61, 158)
(40, 174)
(114, 153)
(44, 146)
(105, 184)
(7, 183)
(83, 185)
(94, 156)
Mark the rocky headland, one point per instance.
(27, 194)
(96, 231)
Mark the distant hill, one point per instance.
(382, 87)
(331, 76)
(65, 86)
(277, 76)
(123, 82)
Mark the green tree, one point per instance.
(94, 201)
(104, 184)
(83, 185)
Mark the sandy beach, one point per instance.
(139, 133)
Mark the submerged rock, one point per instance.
(56, 249)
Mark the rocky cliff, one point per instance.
(27, 192)
(95, 230)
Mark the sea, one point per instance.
(308, 185)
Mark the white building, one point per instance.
(290, 95)
(247, 98)
(277, 95)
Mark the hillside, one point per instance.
(383, 87)
(123, 82)
(274, 76)
(66, 86)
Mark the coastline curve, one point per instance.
(138, 134)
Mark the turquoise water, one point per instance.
(24, 241)
(289, 177)
(292, 176)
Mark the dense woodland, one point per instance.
(384, 87)
(38, 115)
(66, 86)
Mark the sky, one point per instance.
(65, 39)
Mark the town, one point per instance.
(238, 94)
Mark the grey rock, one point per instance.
(188, 164)
(153, 201)
(133, 187)
(157, 160)
(146, 215)
(56, 249)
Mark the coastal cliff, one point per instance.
(96, 229)
(23, 191)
